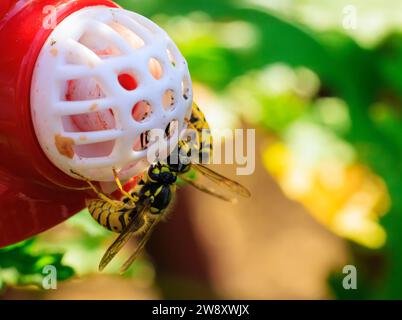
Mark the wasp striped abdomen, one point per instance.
(114, 218)
(200, 124)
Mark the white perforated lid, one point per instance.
(104, 79)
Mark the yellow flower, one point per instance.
(346, 197)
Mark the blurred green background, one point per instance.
(321, 81)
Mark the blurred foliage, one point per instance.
(22, 264)
(329, 100)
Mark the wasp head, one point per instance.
(162, 173)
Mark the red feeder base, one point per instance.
(32, 198)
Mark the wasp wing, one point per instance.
(145, 237)
(122, 239)
(223, 181)
(208, 190)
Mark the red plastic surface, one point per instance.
(32, 198)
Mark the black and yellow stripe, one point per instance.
(204, 143)
(113, 218)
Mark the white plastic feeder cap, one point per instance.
(103, 80)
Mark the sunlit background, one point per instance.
(323, 92)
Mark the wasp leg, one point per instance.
(100, 194)
(72, 188)
(119, 185)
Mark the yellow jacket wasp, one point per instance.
(142, 208)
